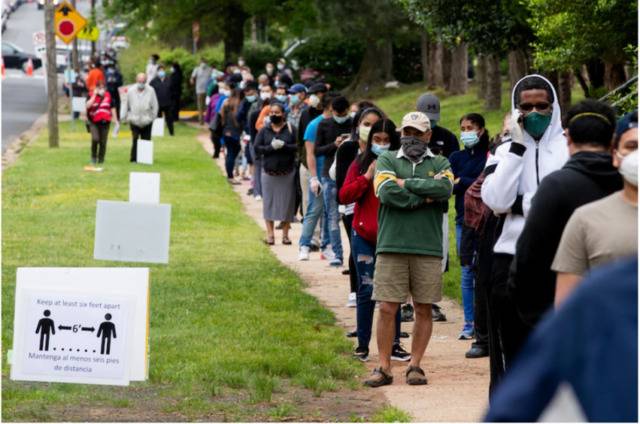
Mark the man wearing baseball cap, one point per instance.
(412, 184)
(443, 142)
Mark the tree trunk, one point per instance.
(517, 66)
(493, 97)
(459, 69)
(552, 76)
(375, 68)
(446, 67)
(481, 76)
(614, 75)
(234, 31)
(254, 30)
(51, 74)
(436, 78)
(595, 70)
(565, 82)
(583, 82)
(424, 57)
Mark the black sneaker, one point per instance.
(352, 334)
(406, 313)
(403, 335)
(361, 353)
(250, 192)
(399, 354)
(437, 314)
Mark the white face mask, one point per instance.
(314, 100)
(363, 132)
(629, 168)
(264, 95)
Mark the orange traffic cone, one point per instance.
(29, 69)
(4, 71)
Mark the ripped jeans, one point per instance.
(364, 255)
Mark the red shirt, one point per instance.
(357, 189)
(101, 109)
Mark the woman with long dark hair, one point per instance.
(231, 131)
(467, 164)
(358, 189)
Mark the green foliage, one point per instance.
(256, 55)
(334, 56)
(391, 414)
(407, 65)
(572, 32)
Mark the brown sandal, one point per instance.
(415, 376)
(270, 241)
(286, 240)
(379, 378)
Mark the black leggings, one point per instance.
(233, 148)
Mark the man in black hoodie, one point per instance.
(587, 176)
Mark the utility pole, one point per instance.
(93, 21)
(75, 63)
(52, 77)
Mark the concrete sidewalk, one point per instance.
(458, 387)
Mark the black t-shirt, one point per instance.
(307, 115)
(328, 131)
(443, 142)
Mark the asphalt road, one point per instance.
(24, 98)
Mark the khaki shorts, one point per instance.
(399, 275)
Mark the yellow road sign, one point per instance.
(89, 32)
(68, 22)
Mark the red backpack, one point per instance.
(475, 211)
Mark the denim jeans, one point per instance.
(364, 255)
(233, 148)
(315, 209)
(466, 283)
(330, 196)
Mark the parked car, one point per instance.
(14, 57)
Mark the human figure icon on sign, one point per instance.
(45, 327)
(105, 330)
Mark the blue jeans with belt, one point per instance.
(330, 196)
(466, 283)
(364, 255)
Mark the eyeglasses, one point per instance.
(528, 107)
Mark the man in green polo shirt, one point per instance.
(412, 184)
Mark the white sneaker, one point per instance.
(303, 254)
(327, 253)
(351, 303)
(258, 198)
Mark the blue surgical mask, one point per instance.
(282, 98)
(251, 99)
(141, 85)
(340, 119)
(294, 100)
(378, 149)
(162, 74)
(469, 138)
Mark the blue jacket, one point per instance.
(589, 344)
(467, 165)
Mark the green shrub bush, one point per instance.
(257, 55)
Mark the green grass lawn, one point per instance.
(231, 330)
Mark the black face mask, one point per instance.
(413, 147)
(276, 119)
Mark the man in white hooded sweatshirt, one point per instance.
(536, 149)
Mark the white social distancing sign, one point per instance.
(81, 325)
(144, 187)
(144, 152)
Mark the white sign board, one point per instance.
(132, 232)
(81, 325)
(157, 128)
(144, 187)
(78, 104)
(144, 152)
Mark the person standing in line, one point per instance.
(276, 142)
(411, 184)
(162, 86)
(113, 79)
(176, 78)
(330, 134)
(358, 188)
(95, 75)
(100, 113)
(266, 96)
(152, 67)
(467, 165)
(250, 98)
(537, 148)
(199, 78)
(231, 131)
(587, 176)
(141, 110)
(605, 230)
